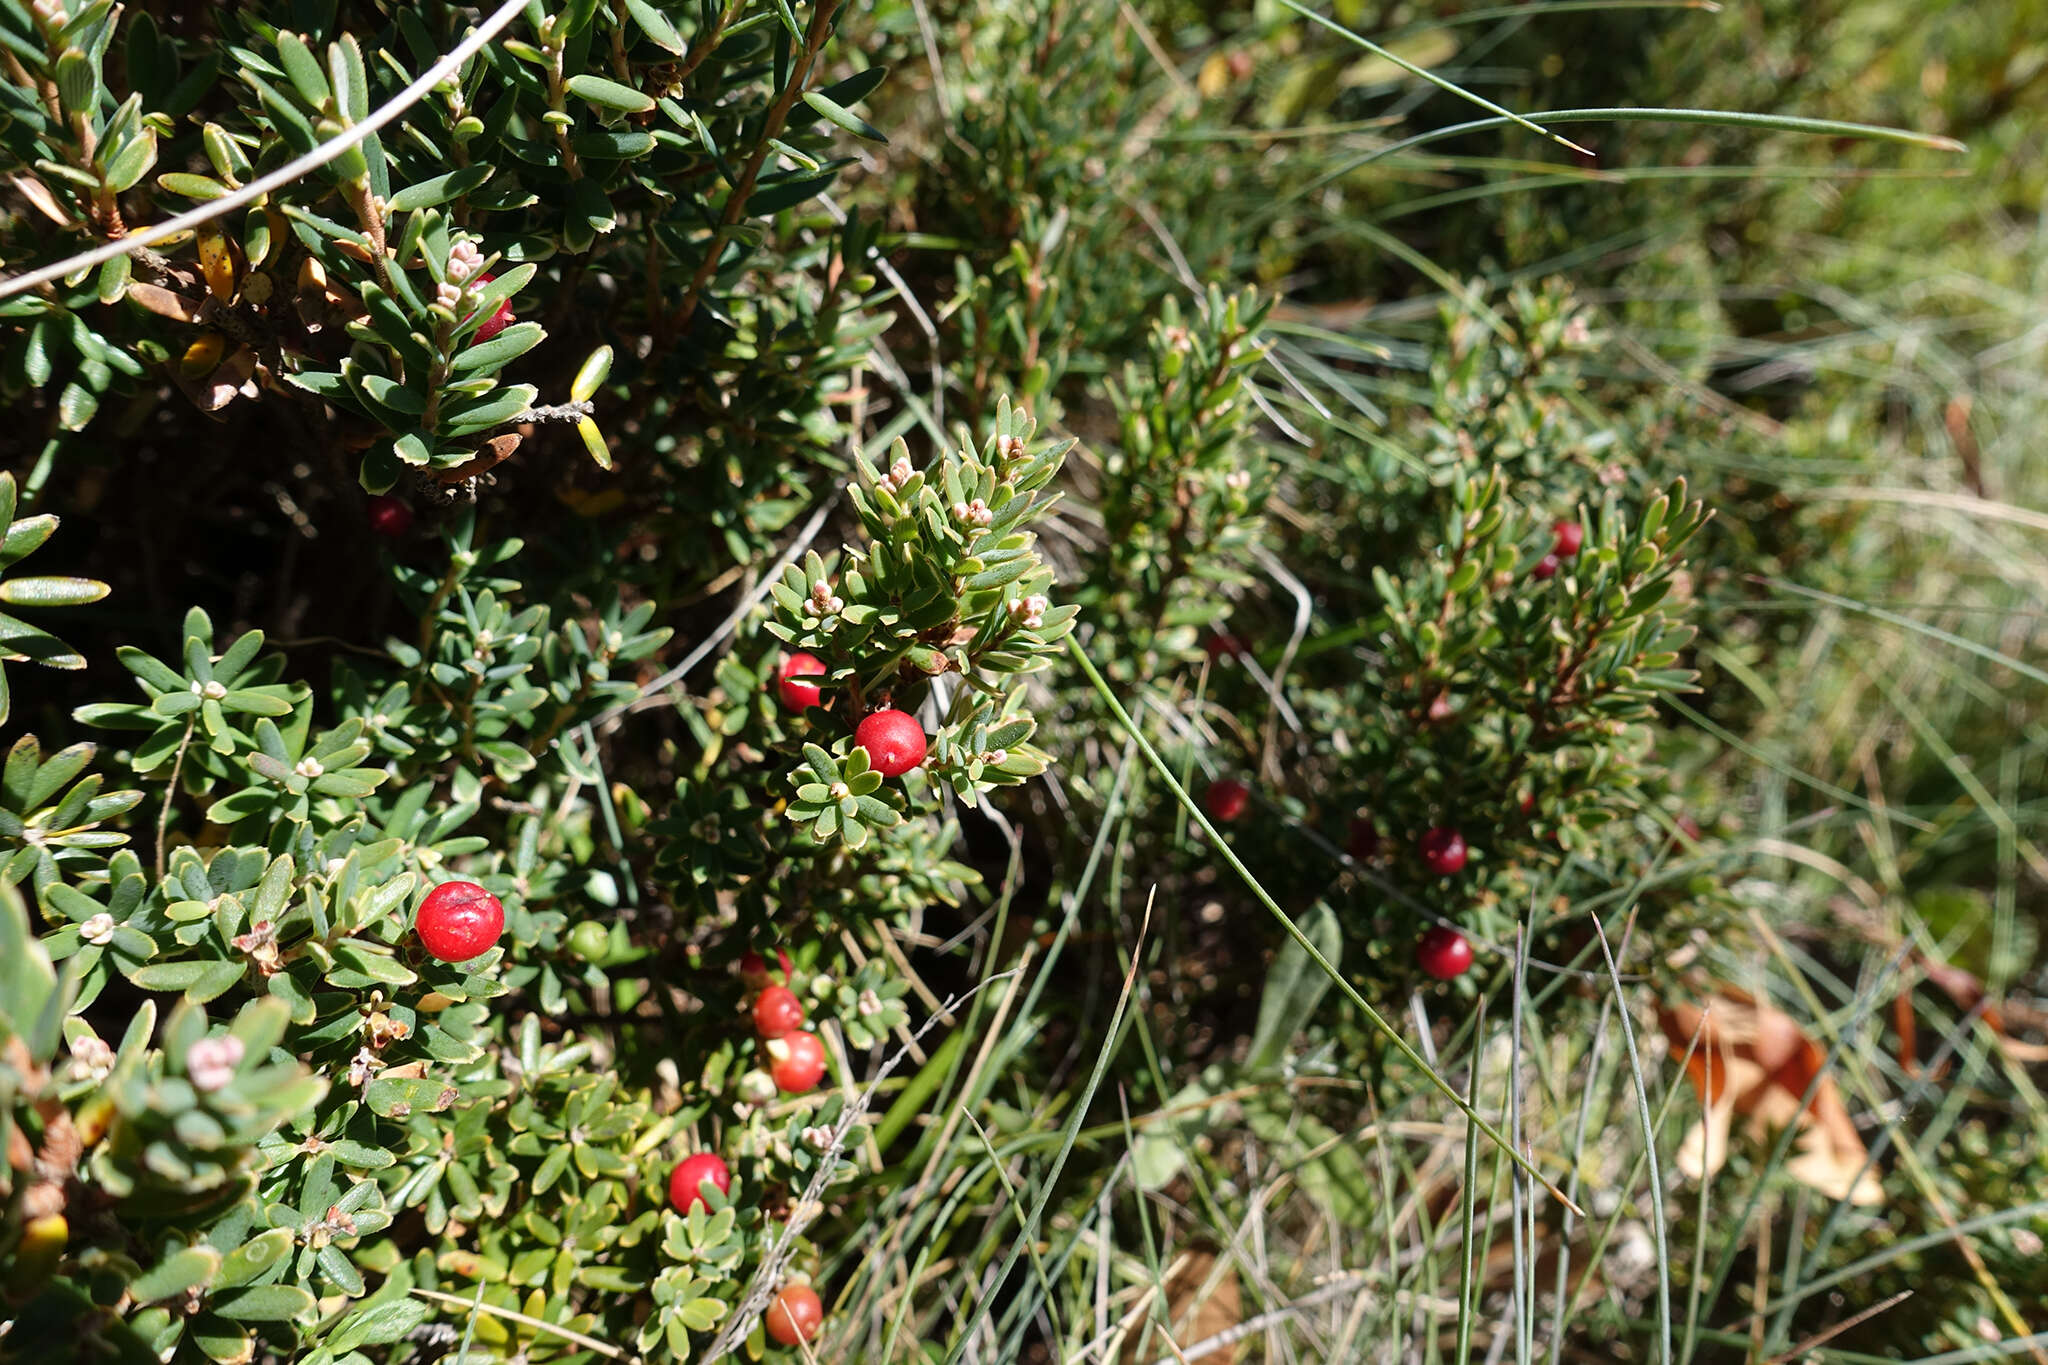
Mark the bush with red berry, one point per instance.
(763, 690)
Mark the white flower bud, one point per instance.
(464, 260)
(211, 1062)
(98, 929)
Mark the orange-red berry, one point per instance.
(686, 1181)
(1444, 851)
(797, 1062)
(459, 920)
(1226, 799)
(792, 681)
(777, 1011)
(1444, 953)
(795, 1315)
(895, 743)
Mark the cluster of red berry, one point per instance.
(895, 743)
(1443, 952)
(461, 920)
(796, 1057)
(796, 1312)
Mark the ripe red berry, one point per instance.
(895, 743)
(497, 322)
(795, 1315)
(1443, 850)
(1443, 953)
(1226, 799)
(1570, 536)
(1223, 645)
(388, 517)
(686, 1180)
(1546, 567)
(459, 920)
(797, 694)
(797, 1062)
(1364, 844)
(777, 1012)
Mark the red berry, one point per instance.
(1570, 536)
(1546, 567)
(389, 517)
(797, 1062)
(795, 1315)
(895, 743)
(498, 321)
(1240, 64)
(685, 1181)
(1226, 799)
(777, 1012)
(1222, 644)
(1444, 850)
(797, 694)
(1443, 953)
(1364, 844)
(459, 920)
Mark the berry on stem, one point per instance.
(459, 920)
(1570, 536)
(794, 1315)
(797, 1062)
(1443, 953)
(778, 1012)
(895, 743)
(1443, 849)
(1546, 568)
(498, 321)
(1226, 799)
(388, 517)
(685, 1182)
(797, 694)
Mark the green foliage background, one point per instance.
(1140, 396)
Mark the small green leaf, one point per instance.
(609, 94)
(594, 442)
(176, 1273)
(596, 368)
(440, 189)
(51, 592)
(263, 1303)
(508, 345)
(843, 117)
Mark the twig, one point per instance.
(555, 412)
(163, 815)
